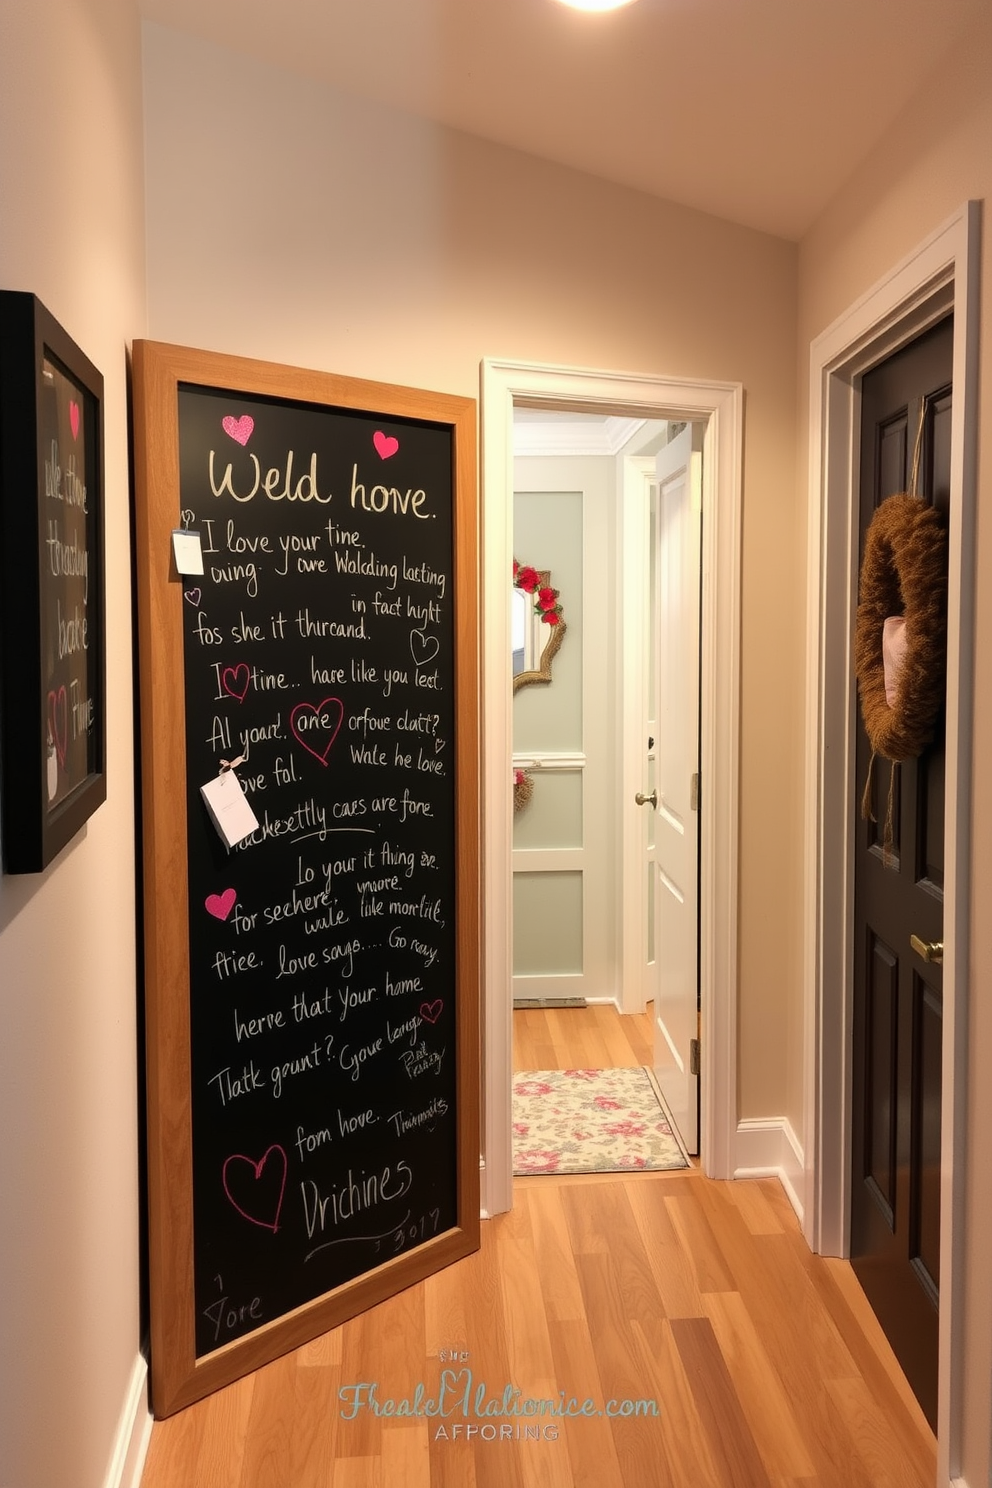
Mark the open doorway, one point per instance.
(718, 407)
(574, 472)
(607, 553)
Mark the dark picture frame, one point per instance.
(52, 618)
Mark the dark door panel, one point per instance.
(895, 1191)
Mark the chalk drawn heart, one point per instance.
(255, 1195)
(188, 517)
(220, 905)
(385, 444)
(431, 1011)
(423, 648)
(193, 595)
(235, 680)
(58, 720)
(439, 745)
(238, 428)
(74, 419)
(316, 724)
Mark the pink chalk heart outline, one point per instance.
(323, 712)
(386, 445)
(74, 418)
(240, 429)
(261, 1195)
(423, 648)
(230, 680)
(431, 1011)
(220, 905)
(58, 712)
(193, 596)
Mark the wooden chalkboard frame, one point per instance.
(159, 371)
(41, 813)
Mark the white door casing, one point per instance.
(720, 407)
(939, 276)
(675, 620)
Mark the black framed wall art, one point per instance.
(52, 650)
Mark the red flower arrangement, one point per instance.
(546, 604)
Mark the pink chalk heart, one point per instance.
(431, 1011)
(220, 905)
(74, 418)
(256, 1193)
(385, 444)
(235, 680)
(193, 595)
(423, 647)
(58, 721)
(316, 725)
(238, 428)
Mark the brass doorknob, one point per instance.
(651, 800)
(930, 950)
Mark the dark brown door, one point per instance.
(895, 1199)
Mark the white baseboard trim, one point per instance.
(769, 1148)
(134, 1430)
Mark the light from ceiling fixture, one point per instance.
(595, 4)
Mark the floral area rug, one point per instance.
(590, 1121)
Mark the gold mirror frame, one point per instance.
(556, 632)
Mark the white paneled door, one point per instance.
(675, 773)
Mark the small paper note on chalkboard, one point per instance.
(187, 550)
(229, 808)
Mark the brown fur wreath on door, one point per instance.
(904, 572)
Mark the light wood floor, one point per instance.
(698, 1298)
(593, 1037)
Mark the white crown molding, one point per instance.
(569, 437)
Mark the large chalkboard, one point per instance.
(311, 987)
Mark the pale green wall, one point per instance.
(547, 718)
(547, 533)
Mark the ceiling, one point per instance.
(754, 110)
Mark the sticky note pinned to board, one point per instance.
(229, 809)
(187, 551)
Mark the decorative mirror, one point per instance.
(537, 625)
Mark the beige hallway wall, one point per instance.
(291, 222)
(71, 231)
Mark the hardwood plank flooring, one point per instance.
(593, 1037)
(714, 1349)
